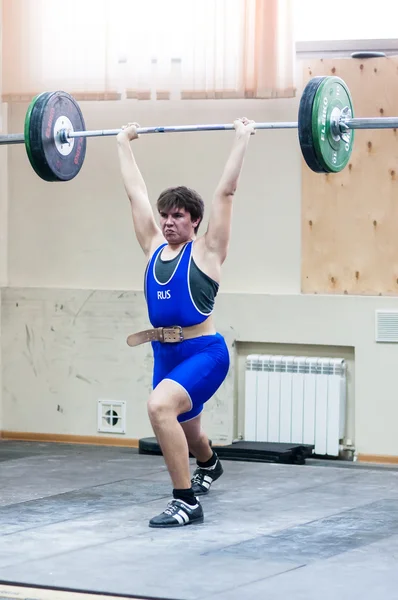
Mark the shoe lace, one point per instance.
(172, 508)
(197, 478)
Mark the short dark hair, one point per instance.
(182, 197)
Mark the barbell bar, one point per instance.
(65, 135)
(358, 123)
(12, 138)
(55, 134)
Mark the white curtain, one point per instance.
(110, 49)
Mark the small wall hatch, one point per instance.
(112, 416)
(386, 326)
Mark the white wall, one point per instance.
(3, 227)
(75, 280)
(65, 349)
(79, 234)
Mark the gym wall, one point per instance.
(75, 276)
(3, 230)
(76, 271)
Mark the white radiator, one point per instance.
(296, 399)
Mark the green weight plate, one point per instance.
(27, 133)
(305, 132)
(332, 152)
(48, 113)
(321, 151)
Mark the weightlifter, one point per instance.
(182, 277)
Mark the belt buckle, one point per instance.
(172, 335)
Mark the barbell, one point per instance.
(55, 135)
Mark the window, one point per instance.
(345, 20)
(149, 48)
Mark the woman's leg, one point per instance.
(198, 442)
(167, 401)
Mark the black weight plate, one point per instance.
(37, 139)
(50, 112)
(367, 54)
(305, 125)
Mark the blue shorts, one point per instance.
(199, 365)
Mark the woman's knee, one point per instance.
(157, 408)
(166, 402)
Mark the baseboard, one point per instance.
(21, 591)
(95, 440)
(377, 458)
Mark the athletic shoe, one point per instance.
(178, 513)
(203, 477)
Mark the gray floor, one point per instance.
(76, 517)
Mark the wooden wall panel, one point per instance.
(350, 219)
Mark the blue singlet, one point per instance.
(199, 365)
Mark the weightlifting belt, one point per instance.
(169, 335)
